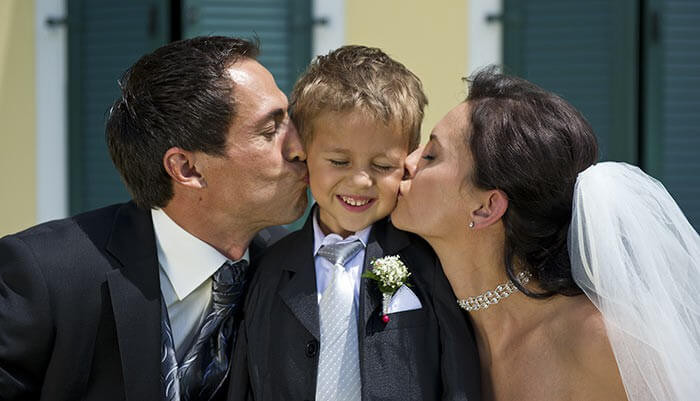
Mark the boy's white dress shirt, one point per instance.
(324, 268)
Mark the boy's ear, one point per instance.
(492, 208)
(181, 166)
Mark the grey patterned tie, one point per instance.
(204, 368)
(338, 377)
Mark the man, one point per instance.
(117, 303)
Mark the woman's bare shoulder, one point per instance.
(585, 342)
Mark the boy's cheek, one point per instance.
(390, 191)
(393, 181)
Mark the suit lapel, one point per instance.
(299, 293)
(384, 240)
(135, 293)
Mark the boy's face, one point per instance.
(355, 167)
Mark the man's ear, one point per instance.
(492, 208)
(181, 166)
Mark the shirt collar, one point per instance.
(321, 239)
(186, 260)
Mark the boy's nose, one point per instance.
(362, 180)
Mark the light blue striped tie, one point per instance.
(338, 376)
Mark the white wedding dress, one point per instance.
(637, 257)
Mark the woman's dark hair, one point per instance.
(531, 144)
(179, 95)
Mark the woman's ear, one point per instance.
(492, 208)
(181, 166)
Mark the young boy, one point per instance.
(314, 327)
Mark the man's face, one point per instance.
(261, 181)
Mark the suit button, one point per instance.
(311, 348)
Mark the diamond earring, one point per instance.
(471, 224)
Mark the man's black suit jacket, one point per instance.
(80, 309)
(424, 354)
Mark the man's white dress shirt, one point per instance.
(186, 266)
(324, 268)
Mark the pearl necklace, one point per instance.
(488, 298)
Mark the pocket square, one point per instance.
(404, 300)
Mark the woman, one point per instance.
(493, 193)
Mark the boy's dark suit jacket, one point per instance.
(80, 309)
(424, 354)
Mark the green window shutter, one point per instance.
(584, 51)
(674, 132)
(105, 38)
(283, 27)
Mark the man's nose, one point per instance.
(294, 150)
(411, 163)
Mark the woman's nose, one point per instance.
(411, 163)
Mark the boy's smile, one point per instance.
(355, 166)
(356, 203)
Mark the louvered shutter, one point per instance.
(586, 52)
(105, 38)
(678, 134)
(283, 27)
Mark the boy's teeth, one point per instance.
(353, 202)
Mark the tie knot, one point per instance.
(231, 272)
(340, 253)
(228, 281)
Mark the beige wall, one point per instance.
(17, 116)
(429, 37)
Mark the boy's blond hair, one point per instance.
(359, 78)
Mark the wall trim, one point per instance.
(485, 37)
(329, 26)
(51, 110)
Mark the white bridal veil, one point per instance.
(637, 258)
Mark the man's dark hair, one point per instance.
(531, 144)
(179, 95)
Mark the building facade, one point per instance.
(632, 67)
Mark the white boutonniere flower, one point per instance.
(390, 273)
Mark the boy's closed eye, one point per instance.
(379, 166)
(383, 167)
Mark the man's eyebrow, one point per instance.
(272, 115)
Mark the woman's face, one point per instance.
(434, 198)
